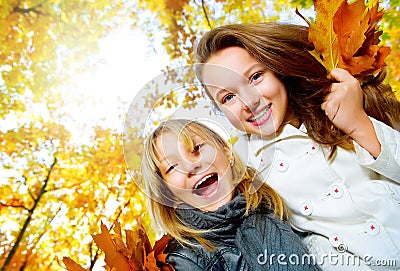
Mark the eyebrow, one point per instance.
(252, 67)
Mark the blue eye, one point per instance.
(256, 77)
(227, 98)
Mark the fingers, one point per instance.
(344, 101)
(331, 107)
(342, 75)
(331, 104)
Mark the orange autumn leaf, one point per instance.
(158, 249)
(161, 244)
(114, 258)
(151, 262)
(356, 27)
(135, 247)
(119, 242)
(71, 265)
(157, 257)
(346, 36)
(350, 24)
(144, 238)
(136, 254)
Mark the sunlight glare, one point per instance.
(101, 96)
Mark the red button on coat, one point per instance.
(336, 190)
(372, 227)
(282, 166)
(306, 209)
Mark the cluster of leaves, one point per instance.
(136, 254)
(346, 36)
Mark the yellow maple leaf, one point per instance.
(322, 35)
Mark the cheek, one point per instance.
(175, 183)
(271, 87)
(281, 93)
(283, 101)
(180, 192)
(226, 169)
(208, 157)
(234, 116)
(223, 162)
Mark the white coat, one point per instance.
(351, 204)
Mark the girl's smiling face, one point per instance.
(200, 176)
(253, 98)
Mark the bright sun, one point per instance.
(127, 64)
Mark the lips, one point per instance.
(261, 117)
(207, 185)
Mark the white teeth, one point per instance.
(260, 115)
(203, 180)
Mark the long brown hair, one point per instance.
(162, 201)
(284, 49)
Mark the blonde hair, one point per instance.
(162, 201)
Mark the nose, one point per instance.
(191, 166)
(250, 98)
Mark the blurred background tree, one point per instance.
(55, 189)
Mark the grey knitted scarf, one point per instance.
(223, 222)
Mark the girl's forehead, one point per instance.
(171, 144)
(172, 139)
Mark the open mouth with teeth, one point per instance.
(261, 117)
(207, 185)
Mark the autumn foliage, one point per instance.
(133, 254)
(61, 173)
(347, 36)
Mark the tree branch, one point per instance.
(29, 218)
(13, 205)
(205, 14)
(94, 259)
(35, 243)
(28, 10)
(119, 213)
(31, 9)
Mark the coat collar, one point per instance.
(259, 143)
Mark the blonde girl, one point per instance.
(203, 195)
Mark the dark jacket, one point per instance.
(242, 242)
